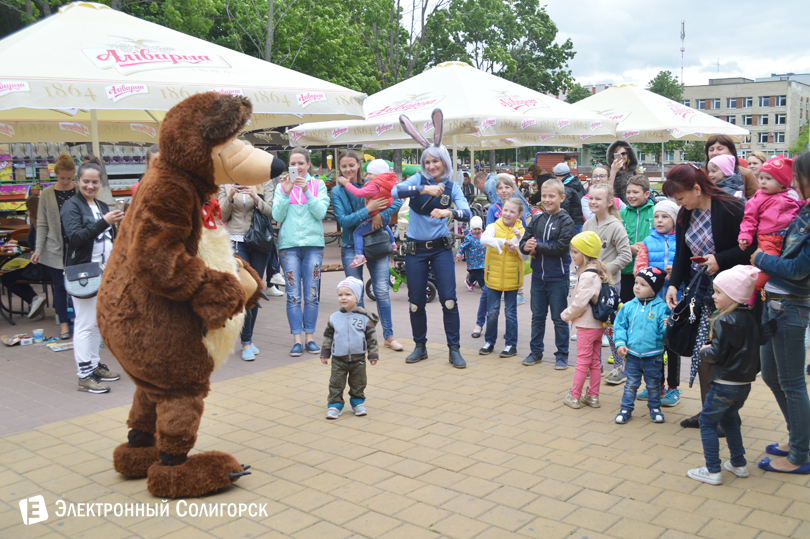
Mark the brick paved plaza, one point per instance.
(486, 452)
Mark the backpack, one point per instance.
(607, 305)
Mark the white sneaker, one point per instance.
(333, 413)
(273, 291)
(739, 471)
(605, 341)
(36, 307)
(277, 279)
(359, 410)
(704, 475)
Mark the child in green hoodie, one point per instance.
(637, 217)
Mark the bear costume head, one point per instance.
(172, 300)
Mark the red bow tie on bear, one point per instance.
(210, 211)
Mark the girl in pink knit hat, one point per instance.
(721, 171)
(769, 213)
(734, 358)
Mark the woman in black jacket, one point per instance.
(87, 223)
(708, 224)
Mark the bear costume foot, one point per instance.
(134, 458)
(178, 476)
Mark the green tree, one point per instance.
(693, 151)
(513, 39)
(577, 93)
(801, 143)
(667, 85)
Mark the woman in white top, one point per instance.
(87, 223)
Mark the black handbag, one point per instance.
(259, 236)
(377, 244)
(682, 325)
(82, 280)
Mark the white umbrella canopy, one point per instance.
(476, 106)
(644, 116)
(89, 58)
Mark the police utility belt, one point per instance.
(410, 247)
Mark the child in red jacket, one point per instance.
(380, 182)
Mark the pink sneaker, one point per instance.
(359, 260)
(394, 247)
(469, 285)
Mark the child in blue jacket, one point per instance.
(639, 336)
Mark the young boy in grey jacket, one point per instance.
(348, 338)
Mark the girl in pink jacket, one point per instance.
(770, 211)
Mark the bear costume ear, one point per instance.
(228, 115)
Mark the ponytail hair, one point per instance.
(64, 162)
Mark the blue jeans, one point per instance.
(363, 229)
(60, 295)
(577, 229)
(302, 271)
(722, 405)
(378, 271)
(416, 271)
(258, 261)
(477, 276)
(782, 362)
(650, 369)
(549, 295)
(494, 310)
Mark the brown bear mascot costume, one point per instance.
(173, 295)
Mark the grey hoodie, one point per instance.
(351, 334)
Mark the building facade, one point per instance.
(773, 109)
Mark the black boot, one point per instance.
(455, 357)
(419, 353)
(691, 422)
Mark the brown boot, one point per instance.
(179, 476)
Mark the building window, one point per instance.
(715, 104)
(781, 101)
(779, 137)
(686, 103)
(670, 156)
(731, 103)
(764, 101)
(781, 119)
(641, 157)
(747, 139)
(762, 138)
(732, 120)
(748, 119)
(763, 119)
(700, 104)
(748, 102)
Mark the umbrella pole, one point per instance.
(663, 156)
(455, 158)
(94, 132)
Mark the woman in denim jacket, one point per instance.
(788, 301)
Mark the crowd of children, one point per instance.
(631, 250)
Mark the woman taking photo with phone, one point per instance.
(623, 163)
(51, 240)
(300, 204)
(87, 223)
(238, 202)
(705, 237)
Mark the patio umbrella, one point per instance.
(644, 116)
(89, 71)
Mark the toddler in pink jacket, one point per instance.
(770, 211)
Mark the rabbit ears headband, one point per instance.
(438, 127)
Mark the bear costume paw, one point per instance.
(134, 461)
(199, 475)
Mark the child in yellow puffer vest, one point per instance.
(503, 274)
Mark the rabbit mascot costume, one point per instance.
(429, 242)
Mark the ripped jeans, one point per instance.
(301, 267)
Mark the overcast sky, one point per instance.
(631, 41)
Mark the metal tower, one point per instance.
(683, 36)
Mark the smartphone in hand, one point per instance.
(293, 173)
(698, 259)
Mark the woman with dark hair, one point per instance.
(87, 222)
(722, 144)
(540, 176)
(707, 227)
(350, 211)
(623, 164)
(788, 302)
